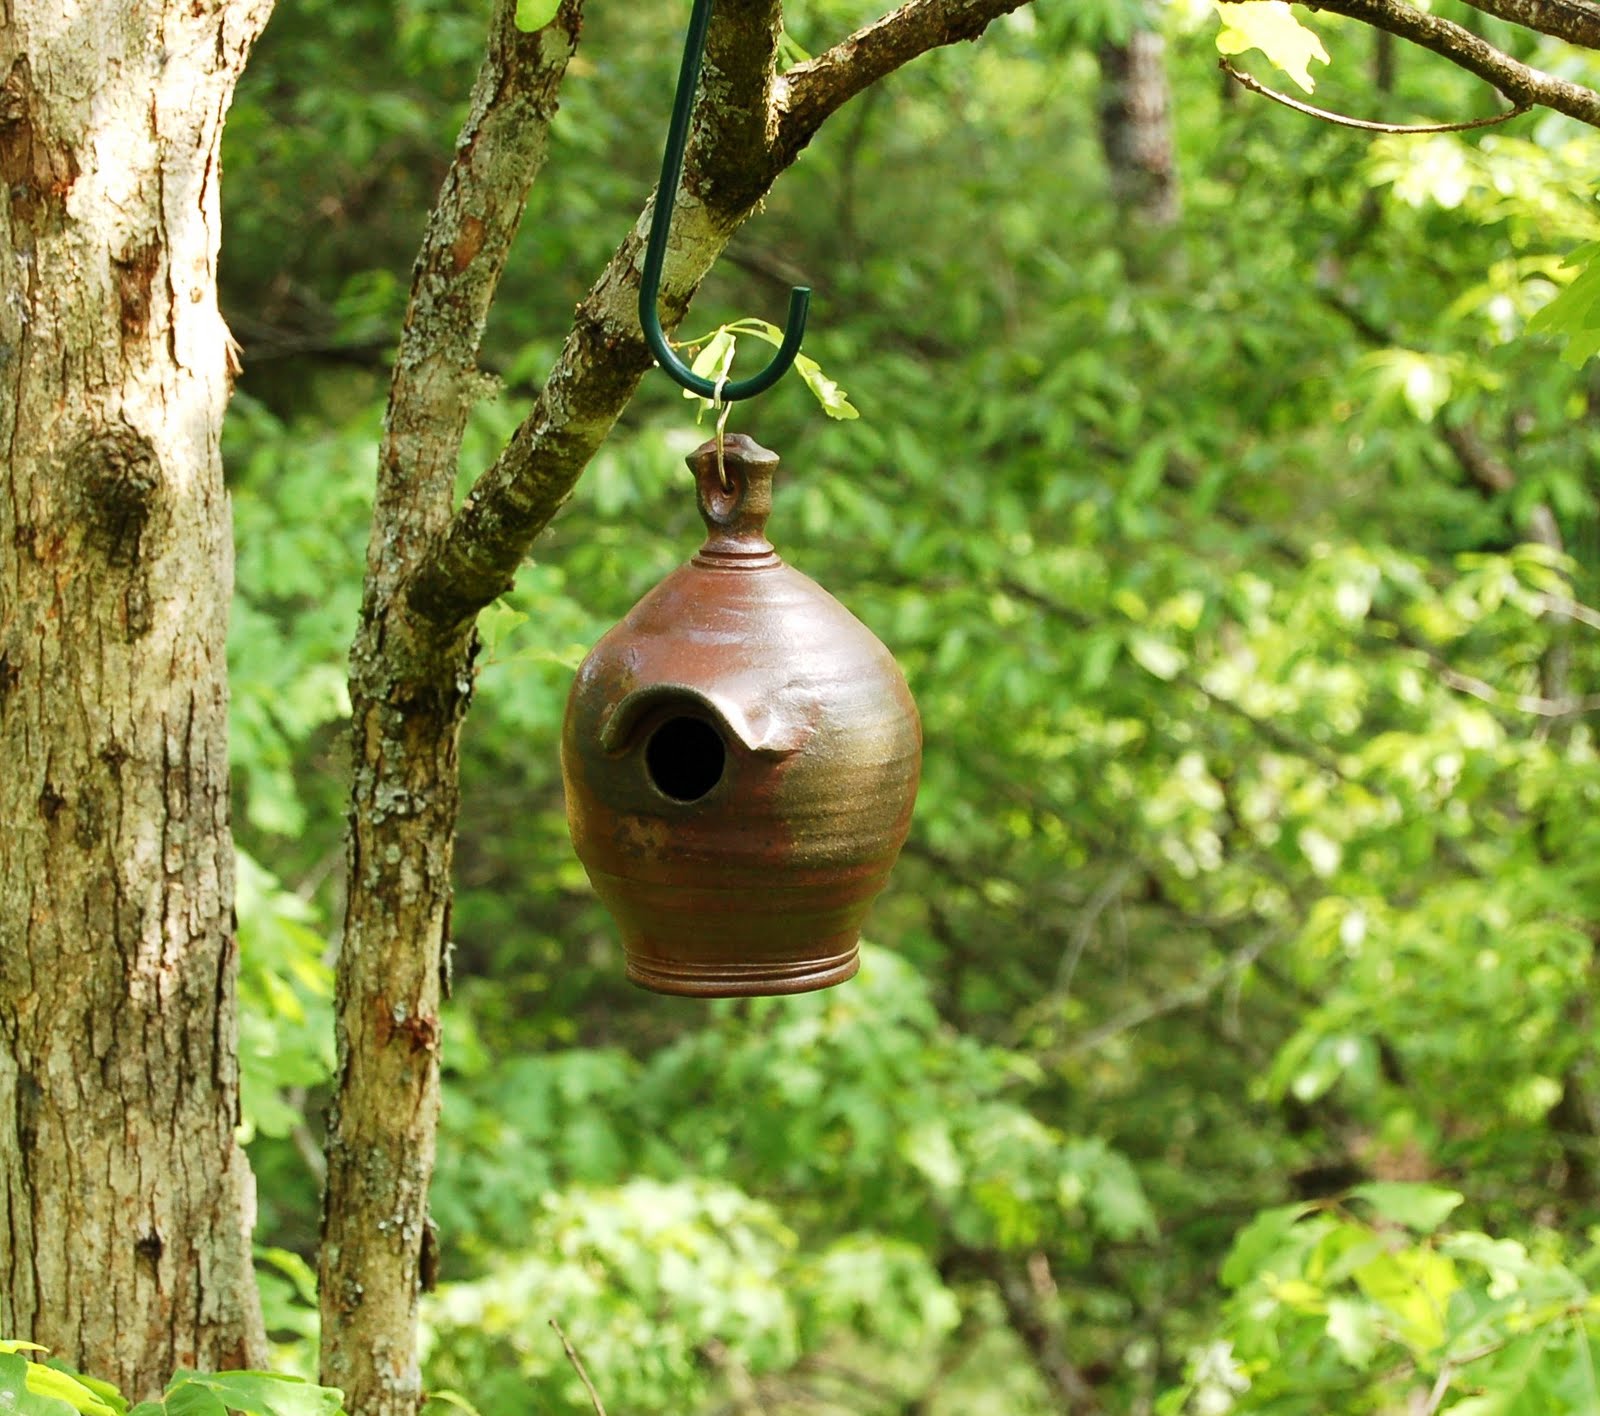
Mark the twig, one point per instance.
(1180, 998)
(1109, 890)
(746, 1397)
(1561, 605)
(1522, 702)
(304, 1142)
(1366, 125)
(577, 1366)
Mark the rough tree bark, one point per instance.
(408, 695)
(125, 1203)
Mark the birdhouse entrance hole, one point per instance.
(685, 758)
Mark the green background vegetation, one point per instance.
(1226, 1039)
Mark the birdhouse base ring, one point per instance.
(728, 980)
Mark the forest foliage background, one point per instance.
(1226, 1040)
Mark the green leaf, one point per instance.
(18, 1396)
(445, 1397)
(496, 623)
(1575, 311)
(187, 1399)
(535, 14)
(1270, 26)
(267, 1393)
(714, 361)
(64, 1386)
(1420, 1207)
(182, 1398)
(1353, 1329)
(827, 392)
(932, 1153)
(790, 51)
(1415, 1287)
(1263, 1237)
(101, 1389)
(56, 1382)
(1117, 1200)
(1156, 656)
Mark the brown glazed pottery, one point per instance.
(741, 757)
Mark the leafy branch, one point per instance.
(1290, 45)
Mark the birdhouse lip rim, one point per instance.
(710, 557)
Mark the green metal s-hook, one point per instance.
(656, 249)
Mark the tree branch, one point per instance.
(736, 93)
(811, 92)
(1482, 464)
(501, 147)
(406, 709)
(1366, 125)
(604, 356)
(1572, 20)
(1028, 1314)
(1520, 83)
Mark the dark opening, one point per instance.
(685, 758)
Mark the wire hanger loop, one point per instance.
(655, 256)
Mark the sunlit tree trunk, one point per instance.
(125, 1201)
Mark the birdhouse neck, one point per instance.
(735, 495)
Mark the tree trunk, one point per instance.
(125, 1201)
(1136, 128)
(408, 696)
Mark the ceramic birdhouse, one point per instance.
(741, 757)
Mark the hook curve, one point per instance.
(655, 255)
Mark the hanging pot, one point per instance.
(741, 758)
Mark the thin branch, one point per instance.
(726, 172)
(1571, 609)
(1519, 82)
(604, 356)
(1186, 996)
(577, 1366)
(1032, 1321)
(304, 1142)
(1110, 889)
(1488, 470)
(1522, 702)
(1366, 125)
